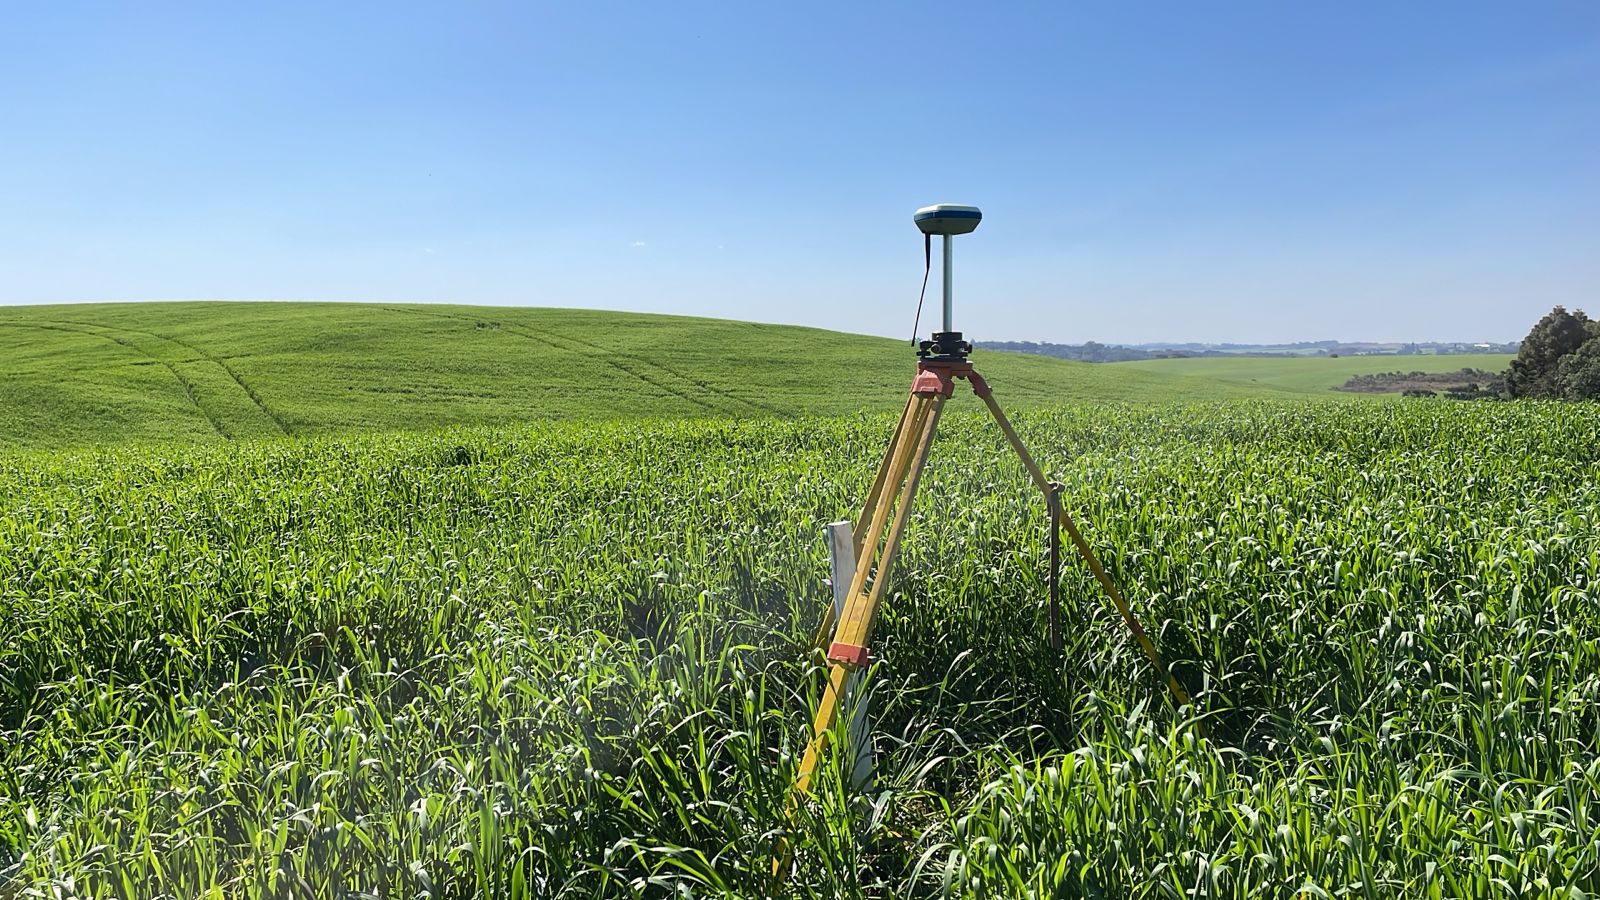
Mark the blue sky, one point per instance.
(1247, 172)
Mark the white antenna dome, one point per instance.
(947, 218)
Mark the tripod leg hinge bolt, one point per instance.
(848, 654)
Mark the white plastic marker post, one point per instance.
(842, 556)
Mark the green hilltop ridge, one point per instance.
(88, 374)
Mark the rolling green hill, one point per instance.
(104, 373)
(1311, 375)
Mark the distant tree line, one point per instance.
(1463, 384)
(1092, 351)
(1559, 359)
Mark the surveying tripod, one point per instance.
(892, 494)
(875, 538)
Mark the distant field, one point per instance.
(1312, 375)
(207, 372)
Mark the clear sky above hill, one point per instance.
(1246, 172)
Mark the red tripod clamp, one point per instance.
(849, 654)
(937, 377)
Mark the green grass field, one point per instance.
(569, 660)
(341, 601)
(206, 372)
(1311, 375)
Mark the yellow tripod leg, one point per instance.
(1082, 546)
(855, 627)
(861, 607)
(904, 470)
(876, 494)
(871, 522)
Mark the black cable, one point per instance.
(927, 266)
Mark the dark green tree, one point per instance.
(1534, 373)
(1578, 374)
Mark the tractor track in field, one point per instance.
(255, 398)
(679, 375)
(188, 388)
(243, 385)
(607, 356)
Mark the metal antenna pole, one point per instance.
(948, 303)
